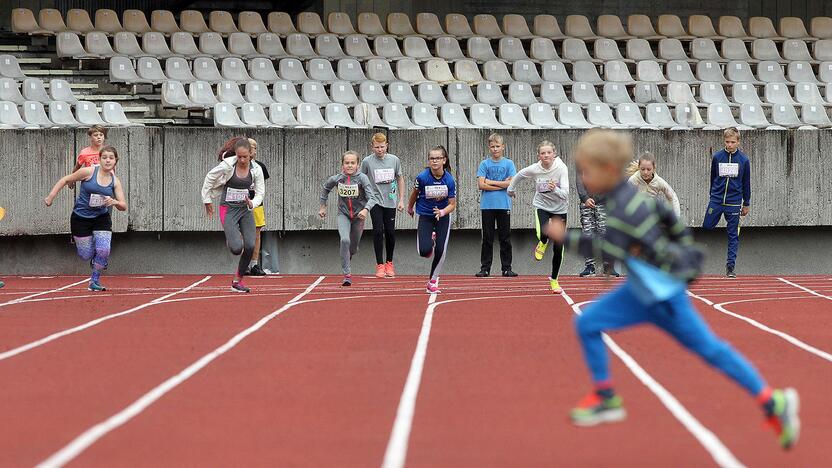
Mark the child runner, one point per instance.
(593, 222)
(91, 224)
(88, 156)
(551, 199)
(385, 173)
(661, 258)
(644, 178)
(730, 193)
(259, 215)
(355, 201)
(434, 197)
(230, 181)
(493, 177)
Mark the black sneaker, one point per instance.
(588, 271)
(347, 281)
(483, 274)
(510, 274)
(729, 272)
(257, 270)
(238, 287)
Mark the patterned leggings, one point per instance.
(96, 250)
(594, 223)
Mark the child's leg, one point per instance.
(443, 231)
(732, 218)
(541, 218)
(85, 247)
(344, 230)
(679, 318)
(389, 232)
(255, 257)
(557, 253)
(230, 225)
(424, 236)
(503, 218)
(588, 228)
(712, 215)
(377, 216)
(356, 231)
(248, 233)
(102, 241)
(488, 218)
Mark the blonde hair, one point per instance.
(605, 146)
(379, 138)
(252, 141)
(549, 144)
(496, 137)
(634, 165)
(350, 153)
(731, 131)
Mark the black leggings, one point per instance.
(384, 232)
(427, 246)
(541, 219)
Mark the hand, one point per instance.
(411, 211)
(48, 200)
(71, 185)
(249, 203)
(590, 203)
(362, 215)
(110, 201)
(322, 212)
(209, 209)
(553, 185)
(511, 194)
(400, 207)
(438, 213)
(744, 211)
(556, 230)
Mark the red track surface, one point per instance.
(320, 383)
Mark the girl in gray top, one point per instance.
(355, 200)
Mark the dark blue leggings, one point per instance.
(427, 246)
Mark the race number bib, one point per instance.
(436, 192)
(384, 176)
(96, 200)
(233, 195)
(729, 169)
(543, 186)
(348, 190)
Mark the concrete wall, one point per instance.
(162, 170)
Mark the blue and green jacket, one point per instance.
(731, 191)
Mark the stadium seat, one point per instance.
(349, 69)
(339, 23)
(795, 49)
(61, 114)
(486, 25)
(291, 69)
(205, 69)
(428, 24)
(645, 92)
(257, 92)
(511, 49)
(497, 71)
(578, 26)
(804, 93)
(745, 93)
(640, 49)
(752, 115)
(68, 45)
(704, 49)
(551, 93)
(24, 22)
(343, 93)
(650, 71)
(526, 71)
(51, 20)
(229, 92)
(658, 115)
(126, 43)
(280, 23)
(825, 72)
(448, 48)
(708, 70)
(547, 26)
(314, 92)
(154, 43)
(416, 47)
(254, 115)
(822, 50)
(688, 116)
(800, 72)
(512, 116)
(765, 49)
(321, 70)
(785, 115)
(239, 43)
(586, 71)
(431, 93)
(553, 70)
(616, 93)
(701, 26)
(572, 116)
(575, 49)
(453, 116)
(630, 115)
(386, 46)
(457, 26)
(356, 45)
(671, 26)
(225, 115)
(87, 114)
(607, 49)
(438, 70)
(10, 116)
(679, 70)
(269, 45)
(770, 72)
(641, 26)
(720, 115)
(251, 22)
(177, 68)
(712, 93)
(734, 49)
(163, 21)
(113, 114)
(820, 26)
(584, 93)
(399, 25)
(310, 23)
(9, 91)
(424, 115)
(479, 48)
(516, 26)
(671, 49)
(337, 115)
(521, 93)
(610, 26)
(366, 115)
(107, 21)
(122, 71)
(78, 20)
(400, 93)
(370, 24)
(762, 28)
(285, 92)
(282, 115)
(174, 95)
(483, 116)
(600, 115)
(150, 70)
(490, 93)
(740, 71)
(34, 115)
(309, 115)
(777, 93)
(193, 22)
(182, 43)
(617, 71)
(792, 27)
(543, 49)
(201, 94)
(814, 115)
(299, 45)
(467, 71)
(395, 115)
(379, 70)
(541, 115)
(680, 93)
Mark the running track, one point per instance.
(176, 370)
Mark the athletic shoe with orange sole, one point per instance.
(389, 270)
(380, 271)
(593, 410)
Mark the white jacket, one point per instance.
(657, 187)
(554, 201)
(217, 177)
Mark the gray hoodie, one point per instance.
(354, 193)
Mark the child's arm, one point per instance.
(746, 187)
(561, 190)
(400, 181)
(447, 210)
(259, 190)
(77, 176)
(371, 195)
(414, 194)
(673, 199)
(714, 171)
(328, 186)
(120, 203)
(519, 177)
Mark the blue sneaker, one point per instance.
(95, 286)
(2, 284)
(238, 287)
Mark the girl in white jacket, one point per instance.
(645, 179)
(230, 181)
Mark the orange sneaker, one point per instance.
(381, 271)
(389, 271)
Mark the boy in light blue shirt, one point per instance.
(493, 178)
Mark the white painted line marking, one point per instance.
(805, 289)
(93, 434)
(21, 299)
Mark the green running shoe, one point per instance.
(785, 419)
(593, 410)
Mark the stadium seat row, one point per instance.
(32, 114)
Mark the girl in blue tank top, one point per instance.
(91, 225)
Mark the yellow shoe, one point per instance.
(553, 283)
(540, 251)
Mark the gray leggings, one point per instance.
(240, 234)
(350, 231)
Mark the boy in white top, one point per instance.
(551, 199)
(646, 180)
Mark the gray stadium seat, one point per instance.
(516, 26)
(777, 93)
(679, 70)
(342, 92)
(222, 22)
(641, 26)
(820, 27)
(431, 93)
(542, 115)
(61, 114)
(428, 24)
(645, 92)
(497, 71)
(150, 70)
(395, 115)
(35, 115)
(745, 93)
(67, 44)
(554, 70)
(9, 91)
(825, 72)
(10, 68)
(367, 116)
(370, 24)
(578, 26)
(163, 21)
(174, 95)
(257, 92)
(687, 115)
(457, 25)
(177, 68)
(704, 49)
(483, 116)
(765, 49)
(815, 115)
(467, 71)
(616, 93)
(639, 49)
(735, 49)
(291, 69)
(372, 92)
(762, 28)
(551, 93)
(408, 69)
(512, 116)
(617, 71)
(453, 115)
(387, 46)
(182, 43)
(460, 93)
(671, 49)
(526, 71)
(709, 70)
(251, 22)
(731, 27)
(51, 20)
(205, 69)
(490, 93)
(310, 23)
(379, 70)
(547, 26)
(543, 48)
(828, 92)
(24, 22)
(299, 45)
(720, 116)
(229, 92)
(511, 49)
(586, 71)
(424, 115)
(96, 43)
(113, 114)
(339, 23)
(121, 71)
(225, 115)
(600, 115)
(282, 115)
(575, 49)
(584, 93)
(321, 70)
(822, 50)
(338, 115)
(486, 25)
(630, 115)
(349, 69)
(479, 48)
(680, 93)
(804, 93)
(126, 43)
(785, 115)
(671, 26)
(701, 26)
(328, 45)
(710, 93)
(10, 116)
(280, 23)
(521, 93)
(269, 44)
(262, 69)
(399, 24)
(800, 72)
(740, 71)
(78, 20)
(401, 93)
(795, 49)
(314, 93)
(193, 22)
(107, 21)
(240, 43)
(356, 45)
(154, 43)
(793, 28)
(572, 116)
(607, 49)
(448, 48)
(658, 115)
(753, 116)
(415, 47)
(201, 94)
(770, 72)
(285, 92)
(87, 114)
(309, 115)
(610, 26)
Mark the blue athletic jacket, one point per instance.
(729, 189)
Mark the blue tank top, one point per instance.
(90, 201)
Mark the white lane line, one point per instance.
(789, 338)
(21, 299)
(805, 289)
(69, 331)
(719, 452)
(94, 433)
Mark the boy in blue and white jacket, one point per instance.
(730, 193)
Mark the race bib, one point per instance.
(543, 186)
(729, 169)
(96, 200)
(348, 190)
(233, 195)
(384, 176)
(436, 192)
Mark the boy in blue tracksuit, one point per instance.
(730, 193)
(661, 259)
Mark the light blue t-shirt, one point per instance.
(500, 171)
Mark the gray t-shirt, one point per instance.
(383, 175)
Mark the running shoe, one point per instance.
(2, 284)
(96, 286)
(784, 418)
(729, 272)
(588, 271)
(510, 274)
(483, 274)
(433, 287)
(553, 283)
(389, 270)
(593, 409)
(540, 251)
(380, 271)
(257, 270)
(609, 270)
(347, 280)
(239, 287)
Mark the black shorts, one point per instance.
(83, 227)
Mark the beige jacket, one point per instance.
(657, 188)
(219, 175)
